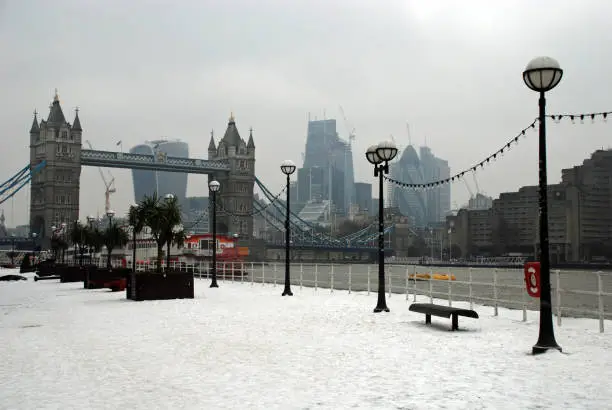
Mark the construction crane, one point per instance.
(349, 127)
(109, 187)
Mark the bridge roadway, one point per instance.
(510, 287)
(159, 162)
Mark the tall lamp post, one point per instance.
(134, 209)
(168, 198)
(90, 220)
(12, 249)
(213, 187)
(288, 168)
(110, 213)
(543, 74)
(380, 155)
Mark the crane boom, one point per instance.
(109, 187)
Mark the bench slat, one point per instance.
(442, 311)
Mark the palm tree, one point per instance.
(114, 237)
(162, 218)
(78, 238)
(94, 239)
(137, 222)
(151, 214)
(171, 231)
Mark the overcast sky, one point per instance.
(140, 70)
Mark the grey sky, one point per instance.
(143, 69)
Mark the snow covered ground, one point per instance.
(246, 347)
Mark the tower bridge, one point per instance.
(57, 156)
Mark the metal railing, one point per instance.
(574, 293)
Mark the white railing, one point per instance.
(574, 293)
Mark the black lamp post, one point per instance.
(288, 168)
(90, 220)
(110, 213)
(12, 249)
(213, 187)
(380, 155)
(543, 74)
(134, 208)
(168, 198)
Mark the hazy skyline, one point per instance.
(140, 70)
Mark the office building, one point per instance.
(150, 182)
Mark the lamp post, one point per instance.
(431, 245)
(34, 235)
(168, 198)
(213, 187)
(543, 74)
(379, 156)
(288, 168)
(134, 209)
(12, 249)
(63, 233)
(110, 213)
(90, 220)
(450, 240)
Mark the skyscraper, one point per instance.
(149, 182)
(327, 173)
(423, 207)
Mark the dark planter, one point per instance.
(70, 273)
(98, 278)
(160, 286)
(46, 268)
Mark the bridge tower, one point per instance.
(235, 206)
(54, 197)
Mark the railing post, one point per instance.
(450, 289)
(241, 272)
(414, 271)
(252, 273)
(263, 272)
(407, 280)
(301, 275)
(350, 277)
(523, 296)
(495, 309)
(274, 274)
(558, 296)
(368, 279)
(233, 271)
(331, 280)
(430, 287)
(470, 288)
(390, 275)
(316, 276)
(600, 302)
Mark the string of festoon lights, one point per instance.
(557, 118)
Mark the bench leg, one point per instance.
(455, 321)
(427, 319)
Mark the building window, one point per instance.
(64, 135)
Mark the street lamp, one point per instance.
(213, 187)
(110, 213)
(379, 156)
(543, 74)
(288, 168)
(168, 198)
(134, 209)
(90, 220)
(12, 249)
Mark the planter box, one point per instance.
(160, 286)
(46, 268)
(96, 278)
(70, 273)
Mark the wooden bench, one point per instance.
(442, 311)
